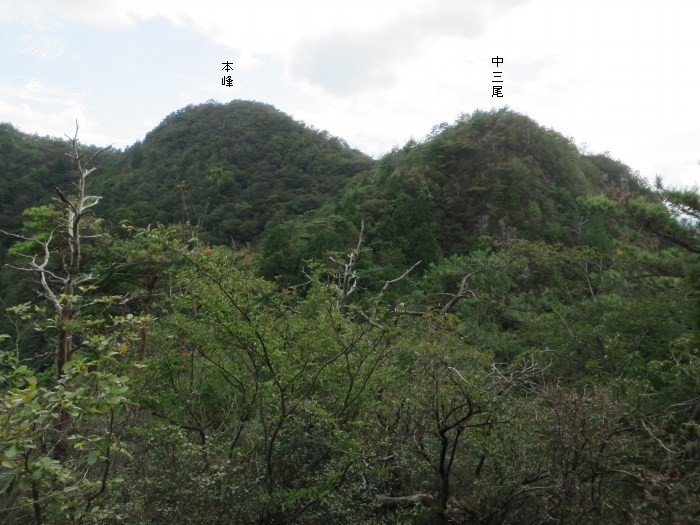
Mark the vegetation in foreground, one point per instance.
(365, 363)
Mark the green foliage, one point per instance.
(246, 167)
(59, 440)
(495, 173)
(548, 372)
(289, 247)
(30, 167)
(264, 387)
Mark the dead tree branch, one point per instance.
(405, 501)
(58, 289)
(348, 278)
(462, 293)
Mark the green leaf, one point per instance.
(6, 481)
(10, 452)
(23, 484)
(92, 458)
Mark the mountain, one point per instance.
(30, 167)
(541, 360)
(497, 173)
(235, 169)
(246, 172)
(494, 173)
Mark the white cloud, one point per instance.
(34, 107)
(359, 60)
(617, 75)
(42, 13)
(40, 46)
(350, 62)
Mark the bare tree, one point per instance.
(348, 277)
(58, 269)
(347, 280)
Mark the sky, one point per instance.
(616, 76)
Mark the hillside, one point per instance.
(497, 174)
(482, 327)
(245, 172)
(30, 168)
(235, 169)
(494, 173)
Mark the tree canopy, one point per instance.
(242, 320)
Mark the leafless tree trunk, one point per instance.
(347, 281)
(59, 286)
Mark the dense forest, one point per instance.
(241, 319)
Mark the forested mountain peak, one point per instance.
(495, 173)
(235, 121)
(239, 170)
(494, 139)
(234, 168)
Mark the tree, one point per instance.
(58, 437)
(58, 265)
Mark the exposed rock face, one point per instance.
(507, 232)
(483, 224)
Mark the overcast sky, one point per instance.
(617, 75)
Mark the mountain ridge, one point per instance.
(241, 168)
